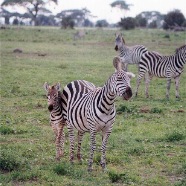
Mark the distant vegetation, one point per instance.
(38, 15)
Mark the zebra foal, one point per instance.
(56, 119)
(90, 109)
(163, 67)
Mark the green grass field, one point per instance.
(148, 144)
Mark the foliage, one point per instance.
(9, 161)
(32, 6)
(172, 19)
(6, 130)
(174, 136)
(153, 19)
(78, 16)
(101, 23)
(140, 21)
(67, 22)
(127, 23)
(121, 4)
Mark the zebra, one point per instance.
(130, 55)
(163, 67)
(56, 119)
(88, 108)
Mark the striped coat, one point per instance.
(91, 109)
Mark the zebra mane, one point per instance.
(180, 49)
(59, 96)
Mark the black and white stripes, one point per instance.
(91, 109)
(163, 67)
(56, 119)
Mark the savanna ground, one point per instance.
(148, 144)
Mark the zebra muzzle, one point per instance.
(50, 108)
(128, 93)
(116, 48)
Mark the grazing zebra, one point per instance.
(163, 67)
(56, 119)
(90, 109)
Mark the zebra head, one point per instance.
(182, 52)
(52, 95)
(119, 41)
(122, 86)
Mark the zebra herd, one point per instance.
(152, 63)
(87, 108)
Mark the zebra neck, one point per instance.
(123, 50)
(105, 101)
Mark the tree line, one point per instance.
(36, 14)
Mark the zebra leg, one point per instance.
(54, 128)
(105, 136)
(148, 78)
(92, 148)
(59, 140)
(177, 83)
(72, 139)
(137, 85)
(80, 137)
(168, 87)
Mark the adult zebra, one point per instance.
(56, 119)
(163, 67)
(131, 55)
(90, 109)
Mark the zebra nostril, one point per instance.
(128, 93)
(50, 107)
(116, 48)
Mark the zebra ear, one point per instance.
(130, 74)
(46, 86)
(117, 63)
(58, 86)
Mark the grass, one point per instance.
(148, 142)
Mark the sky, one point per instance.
(102, 9)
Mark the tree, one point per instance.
(67, 22)
(150, 16)
(141, 21)
(127, 23)
(102, 23)
(33, 7)
(121, 4)
(77, 15)
(172, 19)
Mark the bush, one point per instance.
(174, 136)
(127, 23)
(172, 19)
(9, 161)
(67, 22)
(6, 130)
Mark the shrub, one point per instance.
(174, 136)
(6, 130)
(127, 23)
(119, 177)
(173, 18)
(9, 161)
